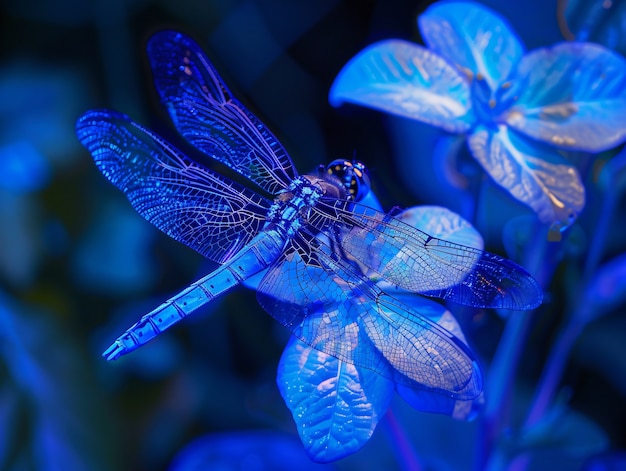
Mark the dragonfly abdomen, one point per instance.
(249, 261)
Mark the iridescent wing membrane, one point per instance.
(338, 311)
(207, 115)
(417, 262)
(322, 286)
(189, 202)
(333, 307)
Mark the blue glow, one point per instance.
(114, 255)
(475, 78)
(320, 292)
(337, 405)
(78, 266)
(243, 451)
(22, 167)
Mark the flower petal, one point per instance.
(473, 38)
(427, 401)
(442, 223)
(336, 406)
(405, 79)
(532, 173)
(573, 95)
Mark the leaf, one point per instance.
(572, 95)
(336, 406)
(432, 403)
(63, 421)
(408, 80)
(473, 38)
(566, 432)
(532, 173)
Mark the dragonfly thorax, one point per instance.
(294, 203)
(307, 189)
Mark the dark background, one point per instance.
(78, 266)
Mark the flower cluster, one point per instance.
(520, 110)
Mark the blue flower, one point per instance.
(337, 405)
(519, 110)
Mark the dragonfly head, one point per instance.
(352, 175)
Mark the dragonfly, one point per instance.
(324, 254)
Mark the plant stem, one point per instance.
(499, 387)
(548, 383)
(599, 234)
(407, 457)
(553, 372)
(613, 172)
(540, 260)
(559, 353)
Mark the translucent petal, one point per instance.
(573, 95)
(408, 80)
(432, 403)
(473, 38)
(442, 223)
(532, 173)
(439, 222)
(335, 405)
(427, 401)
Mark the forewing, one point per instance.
(334, 309)
(207, 115)
(187, 201)
(415, 261)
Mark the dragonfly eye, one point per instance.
(353, 175)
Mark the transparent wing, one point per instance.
(415, 261)
(188, 202)
(207, 115)
(337, 311)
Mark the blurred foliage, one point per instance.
(77, 265)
